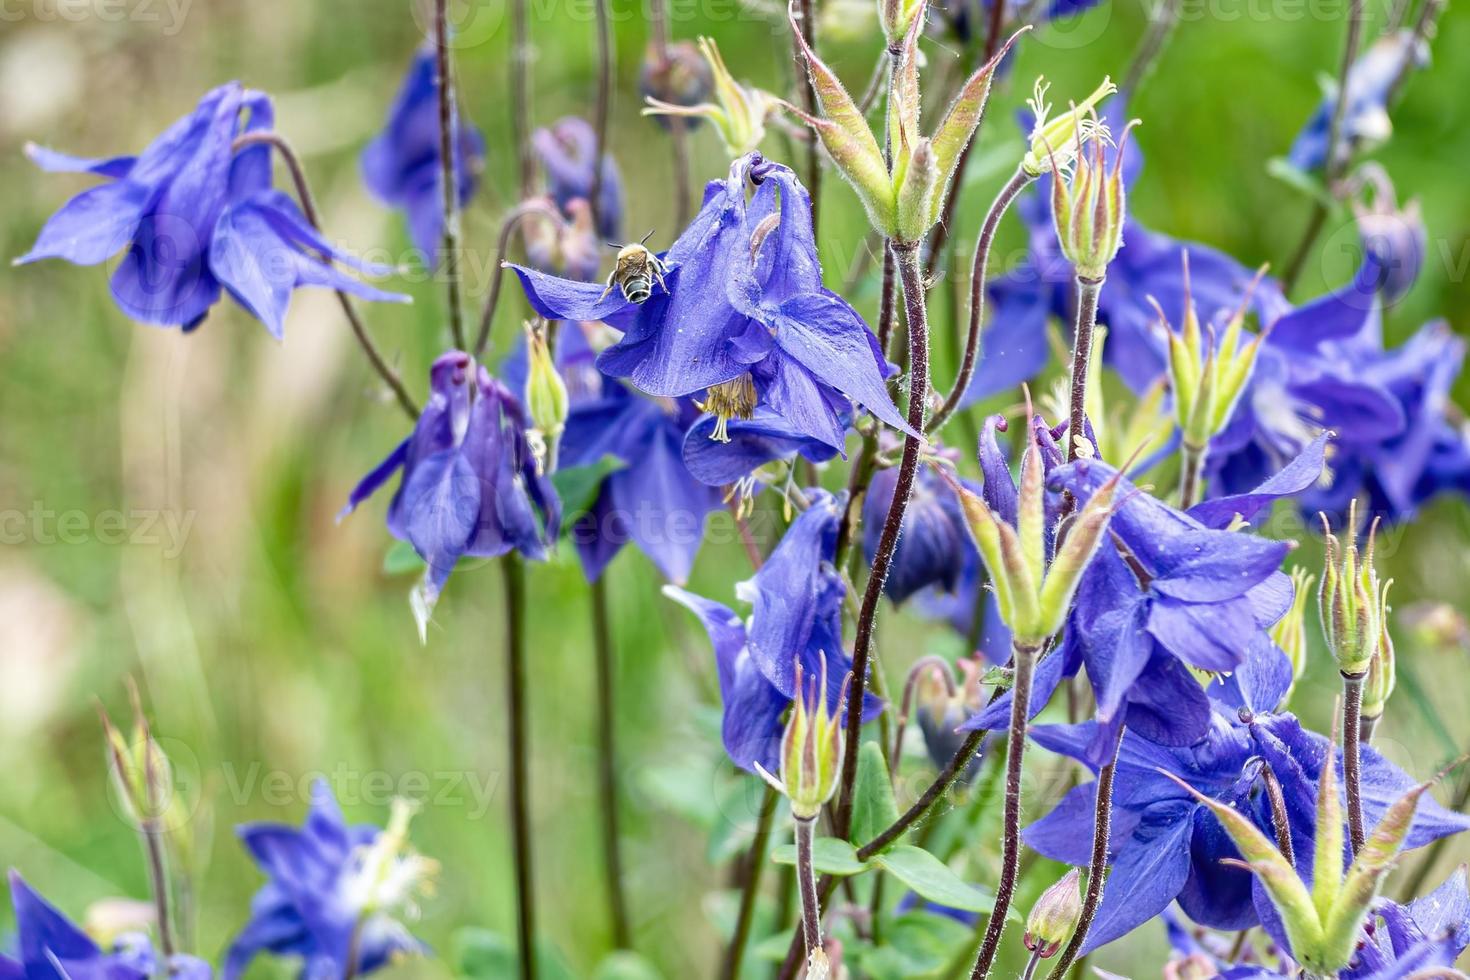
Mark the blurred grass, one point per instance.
(272, 643)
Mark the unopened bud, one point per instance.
(1379, 684)
(917, 193)
(1290, 632)
(896, 16)
(1351, 600)
(546, 393)
(811, 746)
(1054, 916)
(1394, 236)
(1088, 206)
(682, 77)
(1055, 141)
(139, 768)
(738, 112)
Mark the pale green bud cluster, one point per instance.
(1032, 594)
(1089, 204)
(1208, 372)
(140, 770)
(811, 746)
(738, 113)
(902, 191)
(1056, 140)
(1290, 631)
(1352, 601)
(1379, 684)
(546, 392)
(1054, 916)
(1325, 922)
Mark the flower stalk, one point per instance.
(1087, 294)
(607, 765)
(755, 866)
(448, 178)
(1097, 868)
(514, 571)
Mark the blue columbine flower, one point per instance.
(796, 614)
(1370, 81)
(471, 485)
(742, 459)
(196, 215)
(401, 166)
(1167, 846)
(327, 881)
(745, 318)
(935, 547)
(568, 151)
(50, 947)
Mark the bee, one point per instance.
(635, 271)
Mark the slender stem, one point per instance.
(1031, 963)
(658, 17)
(158, 878)
(927, 799)
(354, 949)
(906, 255)
(906, 703)
(983, 244)
(515, 659)
(1191, 474)
(448, 172)
(730, 968)
(1160, 28)
(1352, 709)
(607, 770)
(1423, 26)
(875, 82)
(807, 12)
(1280, 818)
(1337, 159)
(1024, 659)
(1097, 869)
(308, 208)
(513, 219)
(520, 96)
(1367, 726)
(604, 99)
(1087, 292)
(806, 880)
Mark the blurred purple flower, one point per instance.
(1370, 81)
(568, 153)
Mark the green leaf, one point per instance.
(915, 944)
(1298, 179)
(625, 966)
(830, 856)
(486, 955)
(873, 806)
(577, 486)
(402, 559)
(932, 879)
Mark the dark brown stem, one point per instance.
(449, 184)
(730, 967)
(520, 817)
(1024, 660)
(604, 100)
(906, 255)
(308, 208)
(1352, 709)
(1097, 868)
(607, 768)
(513, 219)
(158, 879)
(1087, 292)
(1191, 474)
(806, 880)
(520, 96)
(983, 244)
(808, 16)
(921, 806)
(1280, 818)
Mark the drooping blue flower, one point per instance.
(1395, 236)
(796, 615)
(197, 216)
(744, 319)
(934, 547)
(1365, 119)
(471, 485)
(568, 152)
(748, 447)
(401, 166)
(328, 880)
(50, 947)
(1167, 846)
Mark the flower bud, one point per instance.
(139, 768)
(811, 746)
(546, 393)
(681, 78)
(1379, 684)
(1290, 633)
(917, 192)
(1394, 236)
(1088, 206)
(896, 16)
(1054, 916)
(739, 113)
(1351, 600)
(1055, 142)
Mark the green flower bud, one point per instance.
(1054, 916)
(896, 17)
(811, 746)
(1055, 141)
(739, 112)
(1379, 684)
(1088, 206)
(139, 768)
(1351, 600)
(1290, 633)
(546, 392)
(918, 193)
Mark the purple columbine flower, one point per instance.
(197, 216)
(935, 548)
(471, 486)
(401, 166)
(745, 318)
(568, 153)
(50, 947)
(328, 880)
(1166, 846)
(796, 614)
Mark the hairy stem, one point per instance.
(308, 208)
(448, 172)
(808, 18)
(520, 818)
(906, 255)
(806, 880)
(512, 220)
(927, 799)
(158, 879)
(1087, 293)
(604, 107)
(1352, 709)
(1097, 868)
(607, 769)
(983, 244)
(1280, 818)
(730, 968)
(1191, 474)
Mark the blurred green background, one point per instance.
(268, 641)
